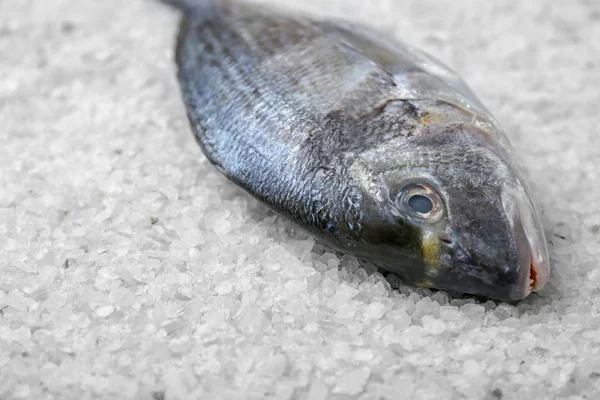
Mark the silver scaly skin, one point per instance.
(373, 146)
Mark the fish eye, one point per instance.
(421, 201)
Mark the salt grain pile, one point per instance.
(129, 268)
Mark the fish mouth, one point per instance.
(527, 278)
(539, 273)
(534, 268)
(533, 271)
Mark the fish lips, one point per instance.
(534, 265)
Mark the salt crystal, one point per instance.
(224, 288)
(489, 305)
(124, 360)
(284, 390)
(305, 256)
(101, 216)
(22, 335)
(318, 391)
(104, 311)
(471, 368)
(563, 249)
(350, 263)
(16, 301)
(10, 244)
(320, 267)
(19, 367)
(170, 192)
(252, 320)
(461, 302)
(311, 327)
(340, 349)
(295, 286)
(273, 367)
(244, 363)
(353, 382)
(328, 286)
(221, 226)
(337, 302)
(344, 289)
(251, 240)
(123, 386)
(192, 237)
(180, 344)
(78, 231)
(194, 254)
(504, 311)
(425, 304)
(511, 322)
(124, 274)
(374, 311)
(433, 325)
(440, 297)
(22, 391)
(175, 388)
(355, 328)
(326, 257)
(304, 245)
(381, 287)
(331, 275)
(450, 313)
(364, 355)
(40, 294)
(473, 311)
(48, 274)
(399, 318)
(539, 368)
(121, 297)
(249, 297)
(512, 366)
(345, 311)
(24, 266)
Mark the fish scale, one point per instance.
(337, 128)
(237, 79)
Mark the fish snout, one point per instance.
(505, 261)
(532, 265)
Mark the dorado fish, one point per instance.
(370, 144)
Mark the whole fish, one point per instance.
(372, 145)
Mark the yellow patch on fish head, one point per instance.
(431, 257)
(431, 250)
(426, 283)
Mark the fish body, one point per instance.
(372, 145)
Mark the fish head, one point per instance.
(456, 208)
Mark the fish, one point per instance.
(372, 145)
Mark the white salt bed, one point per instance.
(130, 269)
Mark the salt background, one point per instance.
(129, 268)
